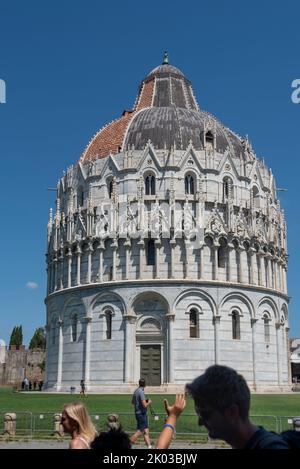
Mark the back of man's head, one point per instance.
(221, 387)
(142, 383)
(113, 440)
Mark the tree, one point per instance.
(38, 339)
(16, 337)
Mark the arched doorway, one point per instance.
(151, 350)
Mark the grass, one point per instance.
(29, 407)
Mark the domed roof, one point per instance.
(165, 69)
(2, 343)
(167, 113)
(178, 127)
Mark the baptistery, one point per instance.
(166, 253)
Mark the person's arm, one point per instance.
(173, 412)
(146, 403)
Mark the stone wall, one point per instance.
(21, 363)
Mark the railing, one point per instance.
(47, 424)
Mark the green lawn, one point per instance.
(30, 406)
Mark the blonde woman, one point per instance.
(77, 422)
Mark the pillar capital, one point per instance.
(253, 321)
(216, 319)
(170, 316)
(130, 318)
(88, 319)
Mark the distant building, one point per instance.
(15, 365)
(295, 359)
(167, 253)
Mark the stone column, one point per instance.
(101, 248)
(55, 272)
(60, 355)
(69, 257)
(130, 320)
(201, 262)
(268, 268)
(88, 320)
(114, 247)
(252, 259)
(230, 248)
(141, 245)
(259, 269)
(253, 328)
(78, 252)
(215, 248)
(172, 257)
(89, 267)
(275, 259)
(216, 322)
(279, 352)
(272, 272)
(61, 271)
(284, 279)
(187, 261)
(127, 246)
(171, 318)
(240, 265)
(157, 244)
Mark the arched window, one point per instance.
(222, 252)
(150, 252)
(227, 188)
(110, 188)
(236, 330)
(108, 324)
(189, 184)
(194, 324)
(266, 319)
(80, 197)
(74, 328)
(150, 185)
(209, 140)
(208, 241)
(255, 196)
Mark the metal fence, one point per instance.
(41, 424)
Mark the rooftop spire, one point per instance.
(166, 58)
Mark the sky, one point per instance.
(72, 66)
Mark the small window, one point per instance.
(194, 324)
(227, 188)
(236, 332)
(150, 185)
(222, 252)
(189, 184)
(110, 189)
(108, 324)
(209, 140)
(266, 328)
(255, 196)
(150, 252)
(80, 197)
(74, 328)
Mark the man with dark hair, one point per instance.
(222, 403)
(140, 408)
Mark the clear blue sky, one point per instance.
(72, 66)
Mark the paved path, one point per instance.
(53, 444)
